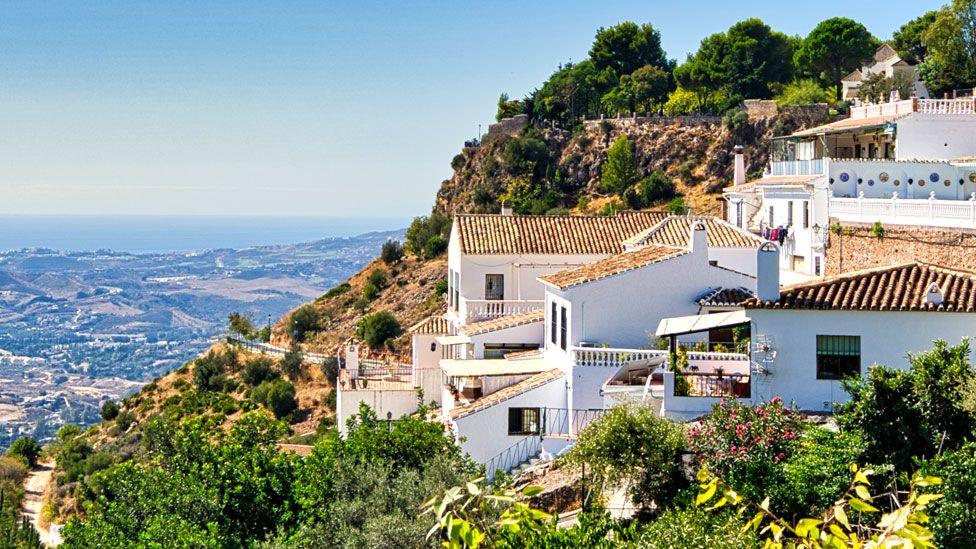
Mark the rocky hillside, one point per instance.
(696, 152)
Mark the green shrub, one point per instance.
(125, 420)
(13, 470)
(25, 448)
(241, 325)
(208, 373)
(258, 370)
(877, 230)
(745, 445)
(277, 395)
(330, 369)
(181, 384)
(425, 229)
(685, 172)
(440, 288)
(378, 328)
(806, 91)
(653, 188)
(377, 277)
(109, 410)
(954, 516)
(291, 363)
(391, 252)
(338, 290)
(304, 320)
(620, 170)
(677, 206)
(370, 291)
(696, 527)
(633, 443)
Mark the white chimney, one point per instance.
(699, 238)
(506, 209)
(767, 272)
(740, 166)
(933, 295)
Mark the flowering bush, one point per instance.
(745, 445)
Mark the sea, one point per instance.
(159, 234)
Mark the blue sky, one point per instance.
(295, 108)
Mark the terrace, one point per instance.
(474, 310)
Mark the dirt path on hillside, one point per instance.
(34, 488)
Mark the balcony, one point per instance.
(797, 167)
(474, 310)
(930, 212)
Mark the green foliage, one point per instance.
(109, 411)
(330, 368)
(71, 453)
(378, 278)
(508, 108)
(15, 531)
(877, 230)
(677, 206)
(277, 395)
(528, 156)
(695, 527)
(744, 444)
(391, 252)
(291, 363)
(909, 39)
(878, 87)
(633, 443)
(370, 291)
(624, 48)
(378, 328)
(427, 235)
(905, 414)
(13, 470)
(242, 325)
(440, 288)
(26, 449)
(805, 91)
(209, 371)
(834, 48)
(950, 39)
(641, 91)
(745, 62)
(304, 320)
(815, 475)
(257, 370)
(203, 487)
(338, 290)
(620, 169)
(954, 516)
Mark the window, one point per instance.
(771, 218)
(450, 288)
(499, 350)
(554, 324)
(806, 214)
(838, 356)
(457, 291)
(789, 212)
(738, 215)
(494, 287)
(523, 421)
(816, 265)
(562, 328)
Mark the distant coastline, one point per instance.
(157, 234)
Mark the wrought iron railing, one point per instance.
(563, 421)
(513, 456)
(712, 385)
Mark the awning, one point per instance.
(700, 323)
(452, 340)
(493, 367)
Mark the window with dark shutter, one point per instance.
(553, 324)
(494, 287)
(562, 328)
(523, 421)
(838, 357)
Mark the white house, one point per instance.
(909, 162)
(885, 61)
(819, 332)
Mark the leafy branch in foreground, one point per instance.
(471, 514)
(904, 526)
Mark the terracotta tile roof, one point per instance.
(610, 266)
(850, 124)
(725, 297)
(502, 323)
(550, 234)
(897, 288)
(432, 325)
(501, 395)
(676, 232)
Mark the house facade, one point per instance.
(905, 162)
(885, 61)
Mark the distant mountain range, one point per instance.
(79, 327)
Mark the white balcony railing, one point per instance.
(602, 356)
(473, 310)
(965, 105)
(899, 211)
(797, 167)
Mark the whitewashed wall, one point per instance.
(936, 136)
(397, 402)
(484, 434)
(526, 333)
(869, 172)
(426, 352)
(886, 337)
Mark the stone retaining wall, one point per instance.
(955, 248)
